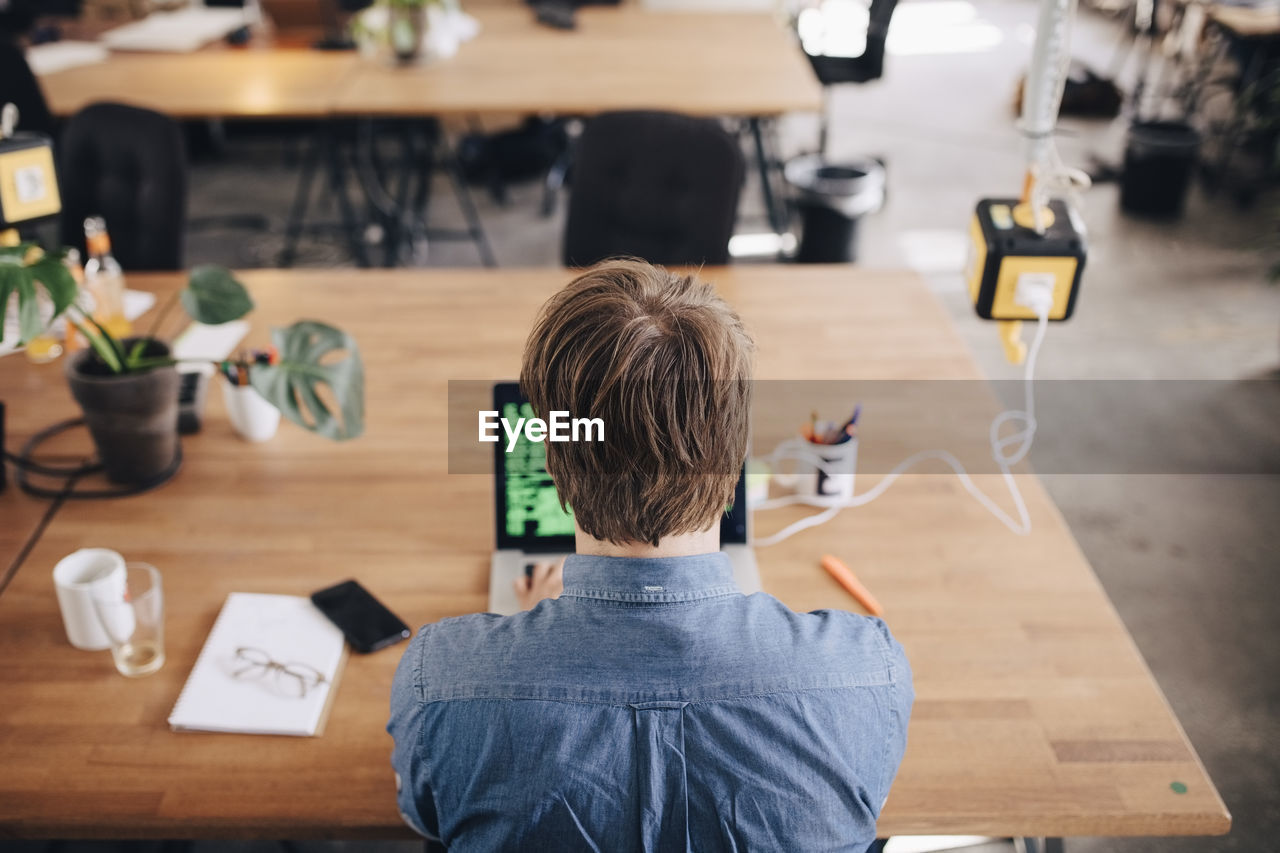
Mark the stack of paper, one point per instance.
(182, 31)
(257, 691)
(61, 55)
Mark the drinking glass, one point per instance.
(133, 619)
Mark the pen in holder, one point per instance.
(826, 470)
(249, 412)
(823, 472)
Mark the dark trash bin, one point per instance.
(1159, 161)
(831, 198)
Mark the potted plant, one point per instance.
(128, 388)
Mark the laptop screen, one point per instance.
(527, 509)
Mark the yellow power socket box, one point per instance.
(1005, 250)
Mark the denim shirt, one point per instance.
(651, 707)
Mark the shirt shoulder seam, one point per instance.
(625, 702)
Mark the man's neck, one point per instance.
(685, 545)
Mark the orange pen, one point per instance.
(852, 585)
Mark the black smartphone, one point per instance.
(366, 622)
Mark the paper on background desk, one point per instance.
(183, 31)
(136, 303)
(289, 629)
(60, 55)
(213, 343)
(756, 6)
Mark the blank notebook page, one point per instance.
(261, 699)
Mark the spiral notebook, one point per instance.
(270, 666)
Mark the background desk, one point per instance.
(624, 58)
(1035, 713)
(219, 82)
(738, 65)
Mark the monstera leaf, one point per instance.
(291, 384)
(213, 296)
(26, 270)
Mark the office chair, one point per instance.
(18, 86)
(128, 165)
(833, 70)
(658, 186)
(16, 18)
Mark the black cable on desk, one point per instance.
(49, 513)
(26, 466)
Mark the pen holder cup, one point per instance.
(824, 471)
(251, 415)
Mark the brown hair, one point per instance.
(666, 364)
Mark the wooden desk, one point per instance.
(624, 58)
(1035, 713)
(213, 83)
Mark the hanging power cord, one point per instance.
(1007, 451)
(1046, 175)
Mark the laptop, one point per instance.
(530, 527)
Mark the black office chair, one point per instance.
(870, 65)
(128, 165)
(653, 185)
(18, 86)
(834, 70)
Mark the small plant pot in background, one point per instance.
(252, 416)
(133, 417)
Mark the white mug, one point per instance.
(249, 412)
(75, 579)
(824, 472)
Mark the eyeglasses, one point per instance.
(290, 679)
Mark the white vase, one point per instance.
(251, 415)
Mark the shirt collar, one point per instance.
(655, 580)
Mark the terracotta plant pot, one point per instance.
(133, 417)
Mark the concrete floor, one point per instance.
(1188, 560)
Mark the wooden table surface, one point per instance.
(1035, 713)
(618, 58)
(19, 517)
(214, 83)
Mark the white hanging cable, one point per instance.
(1007, 451)
(1046, 80)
